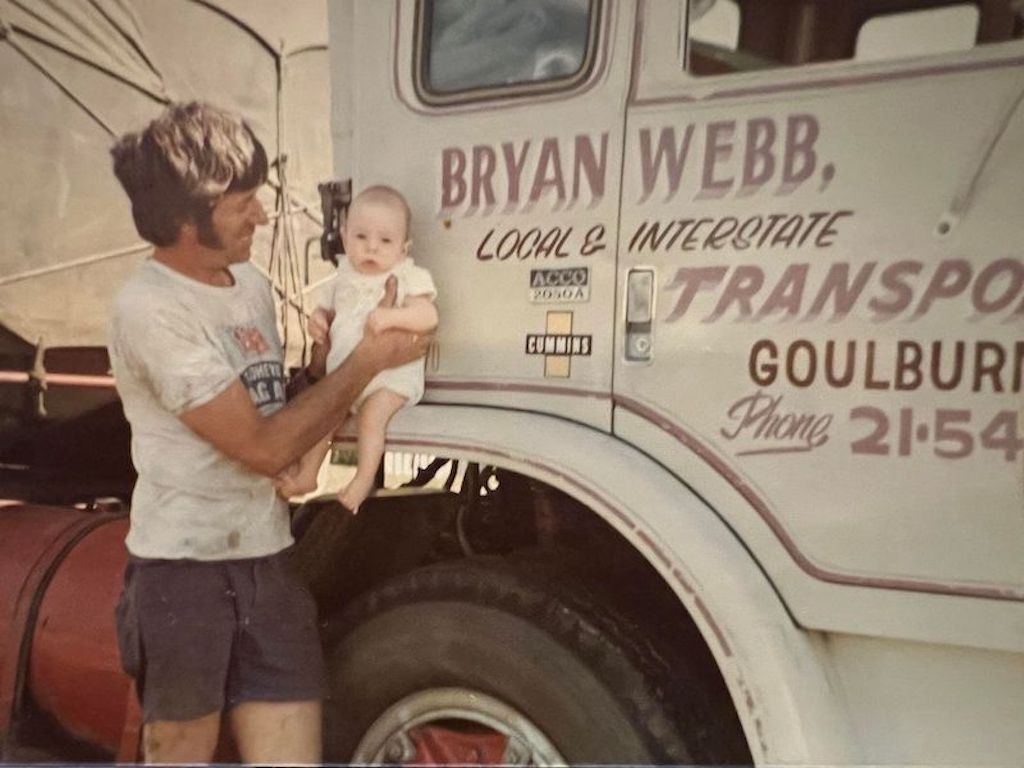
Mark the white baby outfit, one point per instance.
(353, 296)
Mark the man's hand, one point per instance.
(390, 293)
(392, 347)
(395, 347)
(377, 320)
(319, 326)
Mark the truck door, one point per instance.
(821, 264)
(506, 136)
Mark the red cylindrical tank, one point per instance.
(75, 671)
(32, 540)
(28, 543)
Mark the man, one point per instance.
(209, 619)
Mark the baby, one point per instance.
(376, 240)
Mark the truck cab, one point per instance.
(743, 270)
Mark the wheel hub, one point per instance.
(441, 726)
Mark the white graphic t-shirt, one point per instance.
(175, 344)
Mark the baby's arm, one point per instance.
(417, 314)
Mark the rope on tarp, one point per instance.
(248, 28)
(255, 35)
(300, 204)
(284, 252)
(306, 49)
(85, 261)
(63, 88)
(11, 30)
(160, 96)
(300, 309)
(136, 42)
(74, 264)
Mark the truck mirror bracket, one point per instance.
(335, 198)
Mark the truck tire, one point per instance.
(493, 660)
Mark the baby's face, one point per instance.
(375, 237)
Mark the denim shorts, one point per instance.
(200, 637)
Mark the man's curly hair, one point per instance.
(176, 169)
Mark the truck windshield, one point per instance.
(472, 45)
(727, 36)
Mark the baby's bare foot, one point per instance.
(355, 493)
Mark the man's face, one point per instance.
(375, 237)
(232, 224)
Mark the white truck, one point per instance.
(726, 398)
(737, 288)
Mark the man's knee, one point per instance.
(181, 741)
(275, 732)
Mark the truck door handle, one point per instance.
(639, 314)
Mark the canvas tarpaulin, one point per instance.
(74, 74)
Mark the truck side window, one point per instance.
(918, 33)
(715, 24)
(742, 35)
(470, 49)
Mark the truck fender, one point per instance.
(778, 675)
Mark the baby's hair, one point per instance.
(176, 168)
(383, 194)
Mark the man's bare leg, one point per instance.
(181, 741)
(278, 732)
(371, 426)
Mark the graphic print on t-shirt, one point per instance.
(265, 382)
(249, 338)
(263, 378)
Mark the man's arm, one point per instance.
(269, 444)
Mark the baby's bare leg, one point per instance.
(372, 424)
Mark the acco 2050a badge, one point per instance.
(558, 286)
